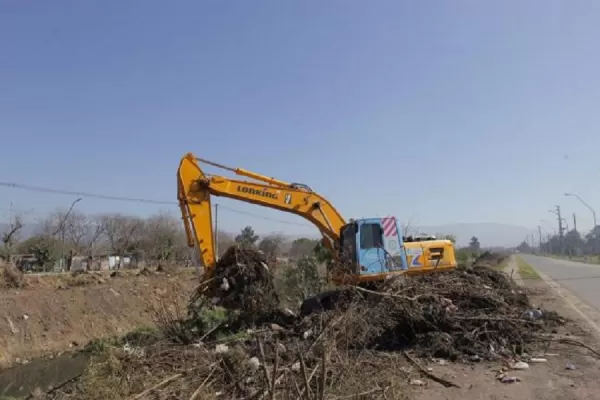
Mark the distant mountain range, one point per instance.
(489, 234)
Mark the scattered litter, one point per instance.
(538, 360)
(221, 348)
(570, 366)
(533, 314)
(520, 365)
(510, 379)
(417, 382)
(254, 363)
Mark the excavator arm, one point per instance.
(195, 187)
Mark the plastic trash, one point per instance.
(570, 366)
(533, 314)
(510, 379)
(520, 365)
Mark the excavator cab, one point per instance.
(372, 247)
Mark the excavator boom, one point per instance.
(368, 249)
(196, 187)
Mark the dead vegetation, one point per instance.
(242, 345)
(11, 277)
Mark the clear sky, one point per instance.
(434, 111)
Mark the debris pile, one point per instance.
(490, 259)
(475, 311)
(245, 282)
(239, 346)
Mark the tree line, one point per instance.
(160, 237)
(571, 243)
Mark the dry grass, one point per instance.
(11, 277)
(264, 364)
(41, 320)
(526, 271)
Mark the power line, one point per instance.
(222, 207)
(83, 194)
(32, 188)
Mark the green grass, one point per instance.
(525, 270)
(503, 264)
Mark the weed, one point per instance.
(526, 271)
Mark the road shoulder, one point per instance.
(550, 380)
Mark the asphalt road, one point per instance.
(583, 280)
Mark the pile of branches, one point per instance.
(256, 364)
(490, 259)
(469, 313)
(360, 347)
(245, 282)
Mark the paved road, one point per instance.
(583, 280)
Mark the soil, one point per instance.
(58, 312)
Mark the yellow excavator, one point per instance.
(365, 250)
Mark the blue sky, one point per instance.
(436, 112)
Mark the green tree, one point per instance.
(474, 245)
(524, 247)
(322, 253)
(270, 245)
(247, 238)
(573, 243)
(593, 241)
(303, 280)
(46, 250)
(303, 247)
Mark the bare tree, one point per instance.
(81, 232)
(124, 233)
(225, 240)
(164, 238)
(11, 235)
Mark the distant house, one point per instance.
(103, 262)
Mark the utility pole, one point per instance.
(574, 222)
(540, 237)
(216, 234)
(62, 231)
(556, 212)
